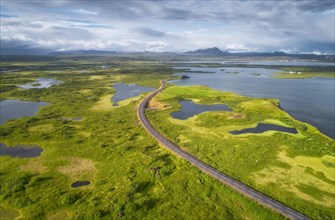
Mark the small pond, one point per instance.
(261, 127)
(13, 109)
(189, 109)
(22, 151)
(125, 91)
(80, 183)
(41, 83)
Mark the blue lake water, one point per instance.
(308, 100)
(189, 109)
(20, 151)
(44, 83)
(13, 109)
(125, 91)
(261, 127)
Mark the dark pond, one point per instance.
(13, 109)
(20, 151)
(189, 109)
(80, 183)
(261, 127)
(308, 100)
(41, 83)
(125, 91)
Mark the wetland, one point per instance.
(85, 138)
(310, 100)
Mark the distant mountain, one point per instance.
(205, 53)
(261, 54)
(214, 51)
(330, 57)
(83, 52)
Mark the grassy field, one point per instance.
(306, 72)
(297, 169)
(132, 176)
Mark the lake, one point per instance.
(42, 83)
(261, 127)
(189, 109)
(125, 91)
(20, 151)
(13, 109)
(308, 100)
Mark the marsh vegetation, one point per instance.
(85, 138)
(287, 165)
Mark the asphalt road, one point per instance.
(238, 186)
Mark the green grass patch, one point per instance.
(256, 159)
(132, 176)
(306, 72)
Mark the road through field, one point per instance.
(229, 181)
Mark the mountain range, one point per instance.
(208, 52)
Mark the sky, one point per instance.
(291, 26)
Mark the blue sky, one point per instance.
(293, 26)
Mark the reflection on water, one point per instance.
(41, 83)
(189, 109)
(20, 151)
(261, 127)
(125, 91)
(13, 109)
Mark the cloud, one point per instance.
(84, 24)
(7, 16)
(176, 14)
(304, 25)
(151, 32)
(315, 5)
(240, 48)
(85, 12)
(15, 47)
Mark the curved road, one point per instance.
(238, 186)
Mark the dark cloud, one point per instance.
(151, 32)
(7, 16)
(177, 14)
(311, 46)
(316, 5)
(14, 47)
